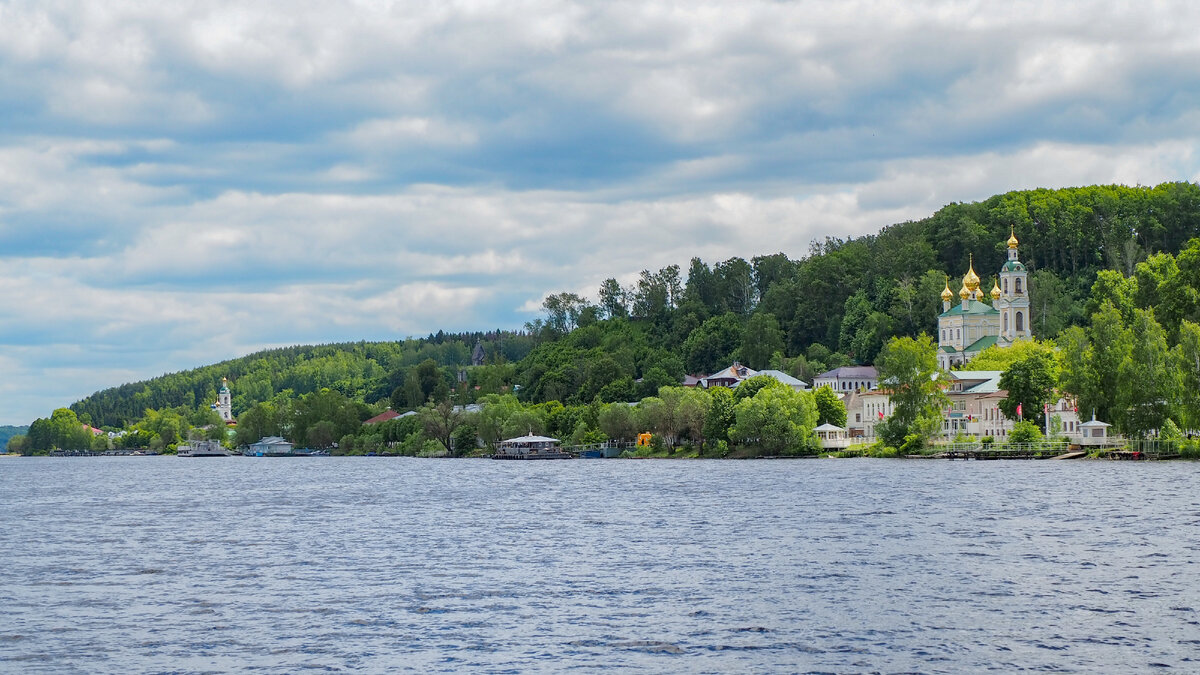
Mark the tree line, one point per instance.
(840, 304)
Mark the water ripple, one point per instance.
(281, 566)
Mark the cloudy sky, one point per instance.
(186, 182)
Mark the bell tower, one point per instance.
(1013, 302)
(224, 404)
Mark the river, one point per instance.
(163, 564)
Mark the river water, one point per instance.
(163, 564)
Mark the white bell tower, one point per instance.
(1014, 296)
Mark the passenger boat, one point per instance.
(530, 447)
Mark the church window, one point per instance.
(1006, 285)
(1005, 323)
(1020, 321)
(1018, 282)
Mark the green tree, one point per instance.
(426, 383)
(720, 415)
(616, 421)
(613, 303)
(1030, 385)
(750, 386)
(830, 408)
(777, 419)
(1149, 380)
(1025, 431)
(1001, 358)
(908, 371)
(711, 346)
(1187, 363)
(464, 440)
(761, 339)
(258, 422)
(440, 421)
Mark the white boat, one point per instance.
(530, 447)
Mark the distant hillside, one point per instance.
(7, 432)
(837, 305)
(366, 371)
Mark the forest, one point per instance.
(1114, 273)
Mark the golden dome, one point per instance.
(947, 295)
(995, 290)
(1012, 238)
(971, 280)
(964, 293)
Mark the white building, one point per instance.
(224, 404)
(271, 445)
(848, 378)
(737, 373)
(779, 375)
(972, 325)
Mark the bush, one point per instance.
(433, 448)
(1025, 432)
(987, 440)
(913, 443)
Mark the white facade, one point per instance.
(224, 404)
(972, 325)
(848, 378)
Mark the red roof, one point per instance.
(383, 417)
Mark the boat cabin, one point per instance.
(530, 447)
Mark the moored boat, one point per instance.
(530, 447)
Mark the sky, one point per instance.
(187, 182)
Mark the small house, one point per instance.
(271, 446)
(1093, 433)
(832, 437)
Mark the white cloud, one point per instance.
(185, 182)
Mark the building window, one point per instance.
(1018, 282)
(1020, 320)
(1005, 323)
(1006, 286)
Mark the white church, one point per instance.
(972, 325)
(224, 404)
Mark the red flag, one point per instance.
(1018, 410)
(880, 414)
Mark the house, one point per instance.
(854, 413)
(729, 377)
(734, 375)
(848, 378)
(795, 384)
(384, 416)
(389, 415)
(876, 406)
(271, 446)
(1093, 433)
(832, 437)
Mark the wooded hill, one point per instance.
(838, 304)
